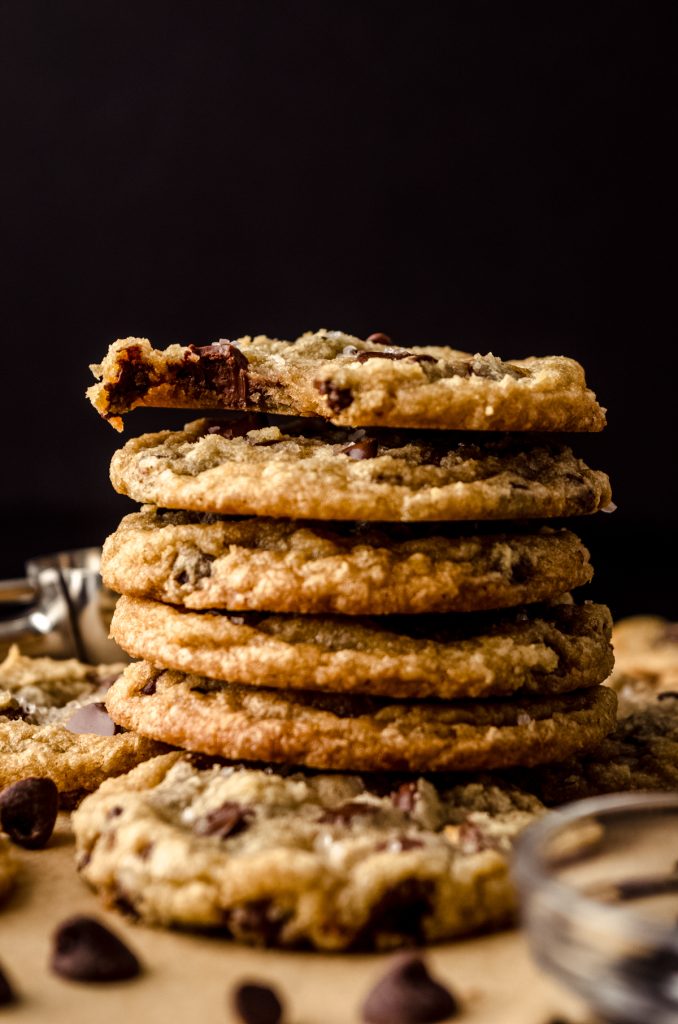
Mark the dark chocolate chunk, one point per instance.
(666, 694)
(221, 368)
(337, 398)
(149, 688)
(225, 821)
(134, 380)
(14, 712)
(84, 950)
(257, 1004)
(28, 811)
(7, 994)
(401, 910)
(365, 449)
(379, 339)
(409, 995)
(191, 566)
(93, 718)
(345, 814)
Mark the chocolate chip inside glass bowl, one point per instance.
(7, 994)
(93, 718)
(28, 811)
(409, 995)
(84, 950)
(257, 1004)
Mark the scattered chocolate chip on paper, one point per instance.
(257, 1004)
(408, 994)
(84, 950)
(7, 993)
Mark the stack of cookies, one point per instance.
(369, 587)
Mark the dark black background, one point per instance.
(487, 174)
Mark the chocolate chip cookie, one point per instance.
(351, 732)
(350, 382)
(204, 562)
(646, 660)
(311, 471)
(320, 861)
(641, 754)
(53, 724)
(538, 649)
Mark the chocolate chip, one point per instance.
(667, 694)
(237, 426)
(149, 688)
(14, 712)
(345, 814)
(405, 797)
(379, 338)
(134, 380)
(409, 995)
(28, 811)
(365, 449)
(400, 911)
(84, 950)
(257, 1004)
(7, 994)
(93, 718)
(225, 821)
(337, 398)
(258, 923)
(221, 368)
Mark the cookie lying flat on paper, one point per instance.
(301, 860)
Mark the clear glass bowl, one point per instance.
(598, 884)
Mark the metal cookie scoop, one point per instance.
(65, 610)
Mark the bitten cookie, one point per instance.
(53, 724)
(351, 382)
(359, 733)
(317, 472)
(207, 562)
(301, 860)
(539, 649)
